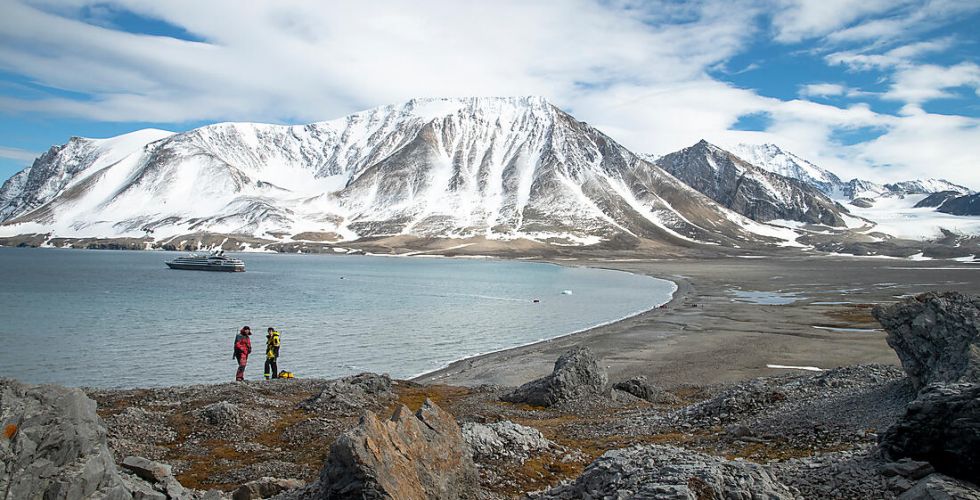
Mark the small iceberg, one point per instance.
(566, 292)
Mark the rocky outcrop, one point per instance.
(940, 487)
(942, 427)
(936, 199)
(505, 441)
(669, 472)
(410, 456)
(53, 445)
(863, 202)
(577, 374)
(641, 388)
(351, 394)
(266, 487)
(935, 336)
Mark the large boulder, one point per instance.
(410, 456)
(641, 388)
(53, 445)
(266, 487)
(577, 375)
(350, 395)
(942, 427)
(656, 471)
(935, 336)
(505, 441)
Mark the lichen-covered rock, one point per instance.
(420, 456)
(942, 427)
(655, 471)
(641, 388)
(53, 445)
(935, 336)
(505, 441)
(577, 375)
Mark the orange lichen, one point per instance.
(9, 431)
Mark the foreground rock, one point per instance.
(940, 487)
(669, 472)
(935, 336)
(942, 427)
(420, 456)
(53, 445)
(577, 375)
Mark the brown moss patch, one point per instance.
(414, 396)
(858, 315)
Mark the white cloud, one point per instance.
(915, 85)
(17, 154)
(637, 70)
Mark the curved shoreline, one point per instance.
(683, 290)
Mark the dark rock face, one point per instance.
(937, 199)
(53, 445)
(420, 456)
(577, 375)
(935, 336)
(749, 190)
(670, 472)
(942, 427)
(963, 205)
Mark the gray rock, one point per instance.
(935, 336)
(639, 387)
(265, 487)
(220, 413)
(407, 456)
(505, 441)
(53, 445)
(577, 375)
(940, 487)
(942, 427)
(147, 469)
(863, 202)
(351, 394)
(907, 468)
(655, 471)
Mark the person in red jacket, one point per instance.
(243, 347)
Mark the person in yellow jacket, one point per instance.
(272, 343)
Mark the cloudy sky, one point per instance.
(881, 89)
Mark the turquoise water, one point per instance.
(123, 319)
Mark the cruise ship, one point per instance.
(215, 261)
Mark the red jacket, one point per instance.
(243, 345)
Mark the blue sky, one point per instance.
(885, 90)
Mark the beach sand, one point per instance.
(711, 333)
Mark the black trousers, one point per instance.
(271, 363)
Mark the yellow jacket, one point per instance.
(272, 343)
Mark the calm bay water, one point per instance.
(123, 319)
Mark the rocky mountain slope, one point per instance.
(494, 168)
(749, 190)
(962, 205)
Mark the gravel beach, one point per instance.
(717, 329)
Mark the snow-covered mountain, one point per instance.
(749, 190)
(774, 159)
(497, 168)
